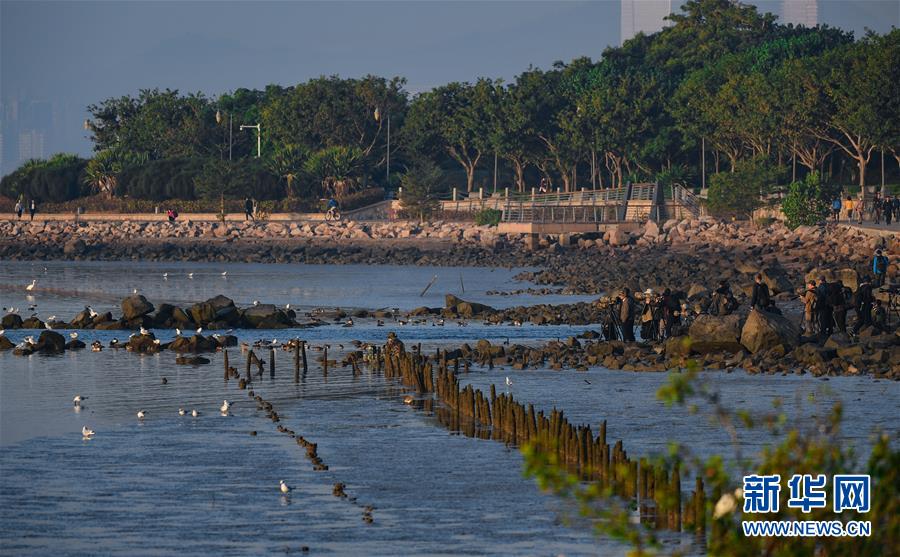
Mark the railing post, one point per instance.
(506, 193)
(480, 193)
(532, 193)
(454, 194)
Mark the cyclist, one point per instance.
(333, 210)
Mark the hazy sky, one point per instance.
(74, 53)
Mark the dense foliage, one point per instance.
(722, 75)
(806, 202)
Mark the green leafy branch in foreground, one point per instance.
(816, 448)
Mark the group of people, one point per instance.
(20, 208)
(826, 306)
(880, 209)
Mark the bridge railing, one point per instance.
(525, 212)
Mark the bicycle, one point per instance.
(333, 214)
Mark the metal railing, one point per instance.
(522, 212)
(687, 200)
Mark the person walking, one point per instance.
(879, 267)
(836, 209)
(888, 210)
(858, 207)
(848, 207)
(19, 208)
(761, 299)
(32, 209)
(626, 315)
(248, 209)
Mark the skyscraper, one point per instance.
(31, 145)
(644, 16)
(800, 12)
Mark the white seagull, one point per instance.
(134, 291)
(2, 331)
(181, 412)
(194, 413)
(199, 330)
(91, 312)
(177, 332)
(508, 382)
(224, 273)
(285, 488)
(144, 331)
(140, 414)
(190, 275)
(78, 399)
(225, 407)
(86, 432)
(73, 336)
(30, 287)
(165, 275)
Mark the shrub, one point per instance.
(361, 198)
(488, 217)
(422, 188)
(54, 180)
(806, 203)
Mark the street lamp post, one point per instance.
(387, 173)
(219, 121)
(258, 137)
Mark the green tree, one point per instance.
(741, 192)
(102, 172)
(457, 118)
(336, 169)
(423, 186)
(286, 162)
(806, 202)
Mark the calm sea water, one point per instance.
(206, 486)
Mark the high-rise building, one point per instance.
(800, 12)
(643, 16)
(31, 145)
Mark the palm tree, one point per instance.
(102, 172)
(287, 163)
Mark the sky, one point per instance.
(70, 54)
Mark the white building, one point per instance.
(644, 16)
(800, 12)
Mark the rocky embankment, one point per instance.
(259, 242)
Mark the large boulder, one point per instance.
(711, 333)
(196, 343)
(459, 307)
(777, 280)
(142, 343)
(5, 343)
(11, 321)
(51, 342)
(265, 316)
(763, 331)
(135, 306)
(219, 308)
(32, 323)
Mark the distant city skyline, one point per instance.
(58, 57)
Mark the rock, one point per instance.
(618, 237)
(850, 352)
(777, 280)
(50, 342)
(75, 344)
(142, 343)
(849, 277)
(651, 230)
(5, 343)
(810, 354)
(74, 246)
(837, 340)
(32, 323)
(135, 306)
(11, 321)
(711, 333)
(219, 308)
(465, 309)
(678, 347)
(697, 291)
(265, 316)
(763, 331)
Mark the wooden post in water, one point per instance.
(297, 363)
(225, 359)
(303, 355)
(249, 361)
(325, 360)
(272, 362)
